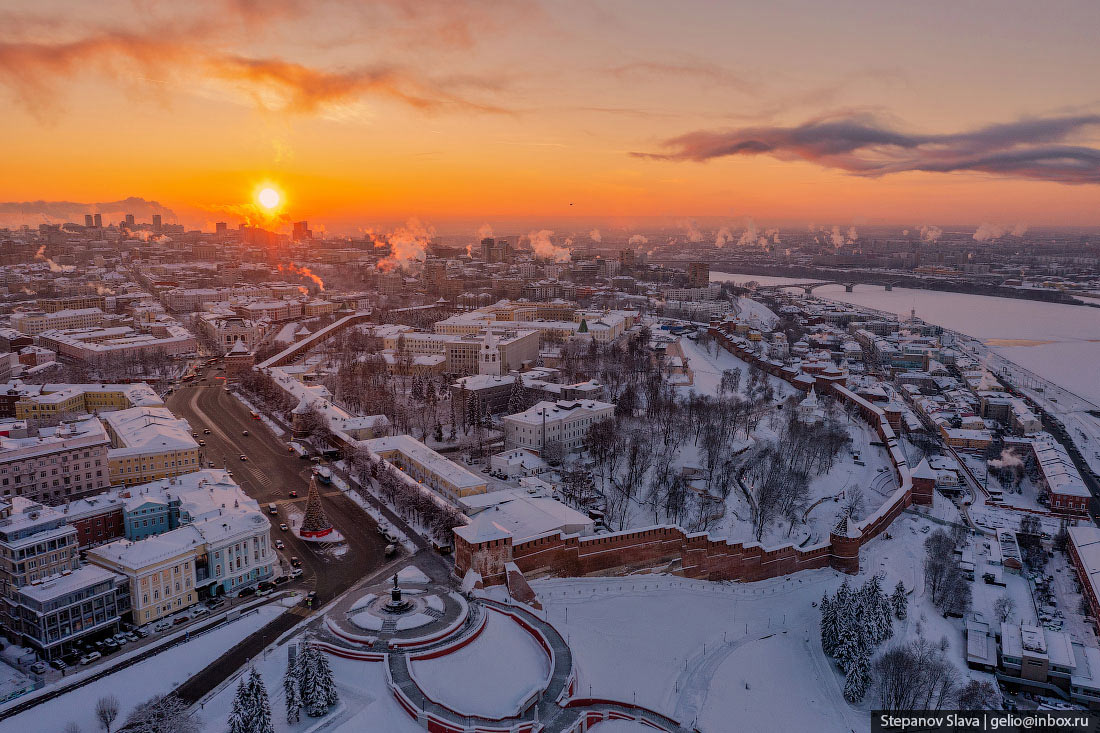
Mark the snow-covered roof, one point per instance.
(924, 471)
(148, 429)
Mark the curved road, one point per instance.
(268, 475)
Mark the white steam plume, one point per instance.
(542, 246)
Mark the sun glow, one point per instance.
(268, 198)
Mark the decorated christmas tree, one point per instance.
(315, 524)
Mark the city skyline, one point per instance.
(367, 113)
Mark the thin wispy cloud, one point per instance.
(1040, 148)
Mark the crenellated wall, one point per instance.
(699, 555)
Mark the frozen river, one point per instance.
(1058, 342)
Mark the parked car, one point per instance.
(215, 603)
(39, 667)
(199, 610)
(111, 644)
(162, 626)
(282, 579)
(245, 592)
(390, 549)
(295, 573)
(140, 633)
(59, 664)
(180, 620)
(90, 657)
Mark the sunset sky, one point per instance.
(371, 111)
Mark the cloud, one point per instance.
(17, 213)
(1038, 148)
(704, 72)
(595, 235)
(542, 246)
(32, 70)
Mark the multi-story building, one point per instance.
(227, 330)
(149, 443)
(53, 464)
(217, 541)
(50, 601)
(73, 302)
(425, 465)
(38, 322)
(160, 570)
(563, 423)
(89, 344)
(464, 353)
(48, 402)
(698, 274)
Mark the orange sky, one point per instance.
(371, 111)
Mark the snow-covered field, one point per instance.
(508, 664)
(365, 701)
(155, 676)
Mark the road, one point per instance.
(268, 475)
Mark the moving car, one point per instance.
(206, 431)
(244, 432)
(295, 561)
(282, 526)
(244, 457)
(293, 494)
(296, 573)
(279, 544)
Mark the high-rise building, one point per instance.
(698, 274)
(129, 221)
(156, 222)
(301, 231)
(98, 221)
(486, 248)
(221, 227)
(88, 220)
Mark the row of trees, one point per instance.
(947, 585)
(161, 714)
(853, 623)
(308, 683)
(413, 502)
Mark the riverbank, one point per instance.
(803, 273)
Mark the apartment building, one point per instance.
(54, 464)
(149, 443)
(38, 322)
(564, 423)
(50, 601)
(89, 344)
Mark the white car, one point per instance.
(90, 657)
(296, 573)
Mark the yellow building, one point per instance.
(149, 444)
(428, 467)
(160, 569)
(49, 401)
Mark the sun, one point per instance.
(268, 198)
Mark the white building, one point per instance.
(563, 423)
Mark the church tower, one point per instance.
(488, 361)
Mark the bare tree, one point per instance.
(979, 696)
(1003, 608)
(166, 714)
(71, 727)
(106, 711)
(915, 676)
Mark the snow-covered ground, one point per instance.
(365, 701)
(508, 663)
(707, 367)
(157, 675)
(763, 314)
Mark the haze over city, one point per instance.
(546, 366)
